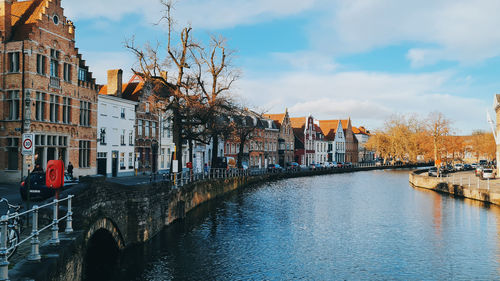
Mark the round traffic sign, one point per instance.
(27, 143)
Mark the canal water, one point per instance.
(358, 226)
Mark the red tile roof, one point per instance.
(298, 122)
(24, 16)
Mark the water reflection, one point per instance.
(368, 225)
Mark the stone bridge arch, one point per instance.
(102, 246)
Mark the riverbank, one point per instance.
(463, 185)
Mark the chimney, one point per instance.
(115, 82)
(5, 19)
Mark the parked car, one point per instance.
(467, 167)
(433, 172)
(348, 164)
(487, 173)
(474, 165)
(39, 190)
(459, 167)
(483, 163)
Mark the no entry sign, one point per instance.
(28, 144)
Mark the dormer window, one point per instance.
(55, 19)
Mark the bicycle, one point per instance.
(14, 228)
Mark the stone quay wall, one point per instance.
(422, 180)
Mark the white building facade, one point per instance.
(339, 144)
(115, 132)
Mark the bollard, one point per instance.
(4, 263)
(469, 181)
(35, 243)
(460, 181)
(55, 227)
(150, 177)
(488, 184)
(163, 176)
(477, 183)
(69, 219)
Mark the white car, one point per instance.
(488, 174)
(459, 167)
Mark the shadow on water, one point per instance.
(135, 259)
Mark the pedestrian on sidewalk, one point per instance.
(70, 169)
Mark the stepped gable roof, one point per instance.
(24, 16)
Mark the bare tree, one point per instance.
(214, 64)
(438, 127)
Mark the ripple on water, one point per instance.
(367, 225)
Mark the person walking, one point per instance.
(70, 169)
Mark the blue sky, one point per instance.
(364, 59)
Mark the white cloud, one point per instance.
(458, 30)
(200, 13)
(367, 97)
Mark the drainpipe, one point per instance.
(22, 107)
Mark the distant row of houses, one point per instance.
(116, 130)
(136, 135)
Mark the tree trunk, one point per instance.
(240, 153)
(191, 151)
(177, 137)
(215, 148)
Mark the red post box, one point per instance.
(54, 177)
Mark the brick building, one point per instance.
(305, 138)
(46, 89)
(286, 138)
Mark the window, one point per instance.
(54, 63)
(41, 62)
(131, 138)
(122, 114)
(139, 127)
(66, 110)
(84, 113)
(13, 104)
(147, 107)
(12, 153)
(53, 108)
(67, 72)
(146, 129)
(122, 161)
(40, 106)
(84, 154)
(14, 62)
(153, 129)
(82, 74)
(131, 160)
(122, 137)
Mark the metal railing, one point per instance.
(35, 232)
(180, 179)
